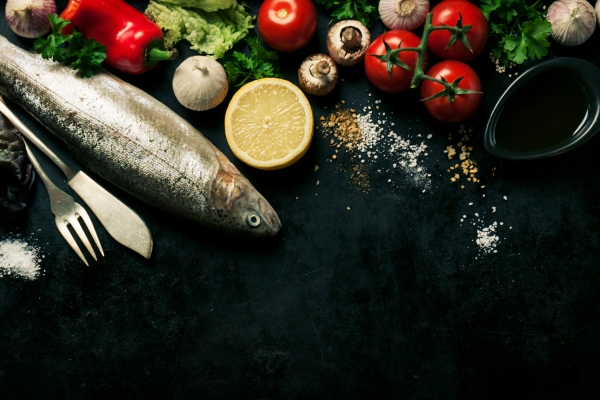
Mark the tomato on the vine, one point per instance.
(287, 25)
(448, 12)
(376, 69)
(457, 106)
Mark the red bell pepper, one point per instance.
(134, 43)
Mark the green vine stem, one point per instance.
(391, 57)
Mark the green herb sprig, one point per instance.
(518, 32)
(261, 63)
(360, 10)
(83, 55)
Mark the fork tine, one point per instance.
(90, 226)
(64, 231)
(74, 222)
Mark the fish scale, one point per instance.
(135, 142)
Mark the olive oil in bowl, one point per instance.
(551, 108)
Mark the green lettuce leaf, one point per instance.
(205, 5)
(210, 33)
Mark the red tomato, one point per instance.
(376, 69)
(447, 13)
(464, 105)
(287, 25)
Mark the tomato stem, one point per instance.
(391, 57)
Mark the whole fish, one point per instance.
(136, 142)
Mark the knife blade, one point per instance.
(122, 223)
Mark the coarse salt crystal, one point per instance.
(17, 257)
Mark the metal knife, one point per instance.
(120, 221)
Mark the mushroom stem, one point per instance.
(351, 38)
(320, 69)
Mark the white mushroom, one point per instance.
(200, 83)
(347, 42)
(318, 74)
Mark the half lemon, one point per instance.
(269, 123)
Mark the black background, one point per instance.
(389, 299)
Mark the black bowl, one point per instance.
(586, 74)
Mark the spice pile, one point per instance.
(466, 168)
(19, 258)
(369, 138)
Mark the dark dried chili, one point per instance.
(16, 173)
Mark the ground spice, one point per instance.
(343, 129)
(368, 137)
(344, 133)
(19, 258)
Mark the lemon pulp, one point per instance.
(269, 123)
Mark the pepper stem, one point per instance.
(155, 55)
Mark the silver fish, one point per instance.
(136, 142)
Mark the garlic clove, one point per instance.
(200, 83)
(573, 21)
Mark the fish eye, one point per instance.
(253, 220)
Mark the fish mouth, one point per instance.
(270, 218)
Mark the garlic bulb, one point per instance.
(200, 83)
(573, 21)
(403, 14)
(29, 18)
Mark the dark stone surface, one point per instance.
(390, 299)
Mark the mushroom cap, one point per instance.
(313, 82)
(339, 51)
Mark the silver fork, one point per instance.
(67, 213)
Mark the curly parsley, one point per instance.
(83, 55)
(518, 31)
(261, 63)
(360, 10)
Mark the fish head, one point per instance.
(239, 207)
